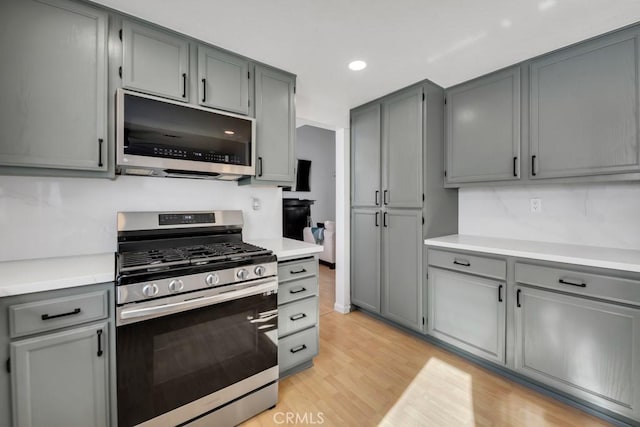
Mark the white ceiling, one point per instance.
(403, 41)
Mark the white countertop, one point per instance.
(592, 256)
(46, 274)
(288, 248)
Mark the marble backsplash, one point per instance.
(48, 217)
(585, 214)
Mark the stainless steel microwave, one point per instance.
(160, 137)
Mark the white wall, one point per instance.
(319, 146)
(47, 217)
(590, 214)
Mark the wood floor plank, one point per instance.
(368, 373)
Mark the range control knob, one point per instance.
(176, 285)
(260, 270)
(242, 274)
(212, 279)
(150, 290)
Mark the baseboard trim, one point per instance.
(342, 309)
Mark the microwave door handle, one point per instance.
(165, 309)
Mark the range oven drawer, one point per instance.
(297, 348)
(35, 317)
(297, 316)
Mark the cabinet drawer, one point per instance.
(481, 266)
(296, 269)
(297, 289)
(33, 317)
(297, 315)
(297, 348)
(575, 281)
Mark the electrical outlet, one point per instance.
(256, 203)
(535, 205)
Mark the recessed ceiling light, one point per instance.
(229, 132)
(357, 65)
(505, 23)
(546, 4)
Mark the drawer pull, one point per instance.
(518, 298)
(298, 290)
(55, 316)
(302, 270)
(99, 332)
(500, 293)
(298, 316)
(580, 285)
(463, 263)
(298, 348)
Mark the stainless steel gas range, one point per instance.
(196, 317)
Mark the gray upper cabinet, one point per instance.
(61, 379)
(402, 142)
(53, 108)
(223, 80)
(365, 156)
(483, 129)
(582, 346)
(275, 125)
(155, 61)
(365, 262)
(584, 109)
(402, 284)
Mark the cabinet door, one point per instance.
(154, 61)
(581, 346)
(365, 157)
(53, 108)
(402, 284)
(60, 379)
(483, 129)
(468, 312)
(275, 124)
(584, 109)
(365, 258)
(223, 80)
(402, 147)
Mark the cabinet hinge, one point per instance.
(8, 366)
(120, 34)
(120, 71)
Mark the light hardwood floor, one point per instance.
(368, 374)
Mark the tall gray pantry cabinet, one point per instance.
(397, 200)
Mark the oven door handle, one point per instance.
(177, 307)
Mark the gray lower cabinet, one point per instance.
(298, 314)
(469, 312)
(366, 156)
(483, 129)
(402, 267)
(53, 109)
(275, 127)
(155, 61)
(584, 109)
(61, 379)
(58, 349)
(365, 258)
(223, 80)
(585, 347)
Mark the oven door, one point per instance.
(172, 368)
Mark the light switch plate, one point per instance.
(535, 205)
